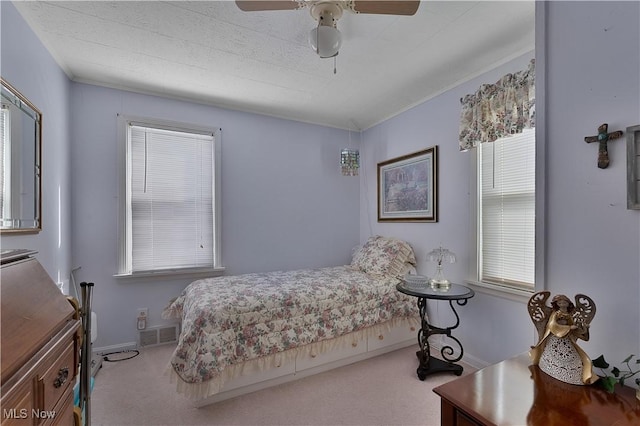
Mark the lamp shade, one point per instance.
(325, 41)
(349, 162)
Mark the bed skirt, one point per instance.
(204, 390)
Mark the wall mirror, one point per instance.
(20, 163)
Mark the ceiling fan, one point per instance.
(325, 39)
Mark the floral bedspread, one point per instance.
(232, 319)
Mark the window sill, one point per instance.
(516, 295)
(195, 273)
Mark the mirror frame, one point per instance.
(37, 165)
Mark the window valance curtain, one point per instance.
(498, 110)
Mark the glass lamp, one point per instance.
(440, 255)
(325, 41)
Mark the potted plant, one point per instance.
(608, 381)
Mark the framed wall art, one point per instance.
(633, 167)
(408, 187)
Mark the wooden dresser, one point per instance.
(514, 392)
(39, 355)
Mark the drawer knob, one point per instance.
(354, 344)
(63, 375)
(381, 337)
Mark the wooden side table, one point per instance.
(515, 392)
(430, 364)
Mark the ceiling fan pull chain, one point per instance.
(335, 59)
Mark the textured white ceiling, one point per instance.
(212, 52)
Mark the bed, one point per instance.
(245, 332)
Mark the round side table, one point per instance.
(430, 364)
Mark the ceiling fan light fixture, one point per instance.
(325, 41)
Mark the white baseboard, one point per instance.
(467, 359)
(474, 362)
(115, 348)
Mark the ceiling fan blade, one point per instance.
(257, 5)
(391, 7)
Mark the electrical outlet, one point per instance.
(143, 313)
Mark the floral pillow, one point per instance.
(384, 256)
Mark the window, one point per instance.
(506, 211)
(170, 198)
(500, 120)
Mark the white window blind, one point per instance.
(170, 200)
(506, 169)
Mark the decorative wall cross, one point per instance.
(602, 138)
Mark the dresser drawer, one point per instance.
(17, 407)
(62, 414)
(58, 377)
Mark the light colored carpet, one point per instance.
(379, 391)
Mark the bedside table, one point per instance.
(430, 364)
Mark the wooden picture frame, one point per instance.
(408, 187)
(633, 167)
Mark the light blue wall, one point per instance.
(285, 204)
(436, 122)
(28, 66)
(593, 56)
(592, 240)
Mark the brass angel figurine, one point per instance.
(559, 327)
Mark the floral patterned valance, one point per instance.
(499, 110)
